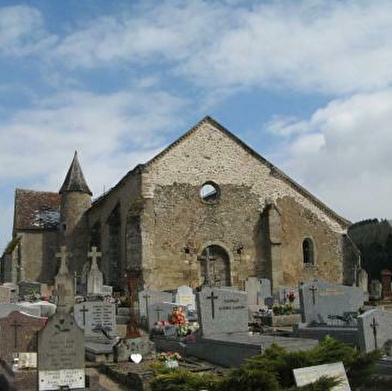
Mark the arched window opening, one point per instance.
(308, 251)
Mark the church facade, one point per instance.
(206, 209)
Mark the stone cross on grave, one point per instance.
(212, 298)
(94, 255)
(63, 254)
(374, 326)
(83, 311)
(313, 289)
(207, 258)
(15, 325)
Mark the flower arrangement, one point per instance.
(280, 309)
(169, 356)
(178, 316)
(291, 296)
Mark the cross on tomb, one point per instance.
(83, 311)
(374, 326)
(212, 298)
(63, 254)
(94, 255)
(15, 325)
(313, 289)
(207, 258)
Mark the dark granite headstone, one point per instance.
(126, 347)
(222, 311)
(19, 333)
(321, 300)
(61, 354)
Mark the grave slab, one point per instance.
(222, 311)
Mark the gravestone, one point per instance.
(46, 309)
(162, 311)
(386, 284)
(148, 297)
(27, 288)
(97, 318)
(18, 333)
(5, 294)
(253, 288)
(61, 351)
(375, 289)
(375, 329)
(107, 290)
(363, 278)
(307, 375)
(186, 297)
(65, 279)
(321, 299)
(126, 347)
(265, 288)
(94, 277)
(222, 311)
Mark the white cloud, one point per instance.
(344, 154)
(110, 132)
(22, 31)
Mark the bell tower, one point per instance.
(75, 200)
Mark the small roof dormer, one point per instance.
(74, 181)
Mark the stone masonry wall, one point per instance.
(176, 215)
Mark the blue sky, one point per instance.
(307, 84)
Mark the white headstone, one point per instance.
(186, 297)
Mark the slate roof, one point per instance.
(36, 210)
(75, 181)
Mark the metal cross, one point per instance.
(374, 326)
(94, 255)
(15, 325)
(313, 289)
(208, 258)
(83, 311)
(212, 298)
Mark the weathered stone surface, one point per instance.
(126, 347)
(19, 334)
(148, 297)
(61, 353)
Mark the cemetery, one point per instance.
(52, 336)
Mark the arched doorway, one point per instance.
(215, 259)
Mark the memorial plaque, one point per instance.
(27, 360)
(61, 354)
(97, 318)
(304, 376)
(222, 311)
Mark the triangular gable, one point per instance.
(276, 172)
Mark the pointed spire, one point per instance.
(74, 181)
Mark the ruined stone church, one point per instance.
(207, 207)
